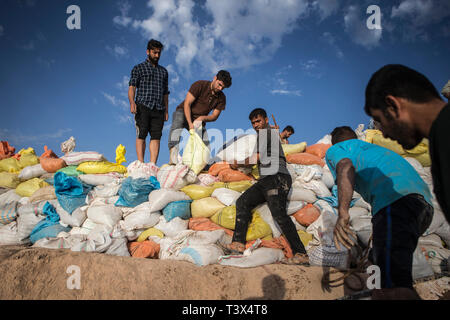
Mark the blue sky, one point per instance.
(305, 61)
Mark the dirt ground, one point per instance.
(37, 273)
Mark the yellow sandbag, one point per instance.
(293, 148)
(258, 228)
(196, 154)
(10, 165)
(206, 207)
(27, 188)
(120, 154)
(196, 192)
(9, 180)
(239, 186)
(255, 172)
(268, 238)
(28, 159)
(148, 233)
(419, 152)
(93, 167)
(26, 151)
(305, 237)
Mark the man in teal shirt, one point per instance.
(400, 200)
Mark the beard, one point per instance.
(153, 60)
(406, 136)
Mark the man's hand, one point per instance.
(191, 126)
(342, 232)
(133, 108)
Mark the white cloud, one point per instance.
(418, 14)
(125, 118)
(117, 51)
(325, 7)
(18, 138)
(287, 92)
(174, 78)
(330, 39)
(123, 20)
(116, 101)
(355, 21)
(123, 86)
(312, 68)
(239, 33)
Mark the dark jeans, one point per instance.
(178, 123)
(396, 231)
(273, 190)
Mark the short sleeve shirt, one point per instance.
(204, 101)
(271, 155)
(382, 176)
(151, 83)
(440, 159)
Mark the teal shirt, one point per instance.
(382, 176)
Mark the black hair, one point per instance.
(155, 44)
(343, 133)
(399, 81)
(290, 129)
(257, 112)
(225, 77)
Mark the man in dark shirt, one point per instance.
(286, 133)
(409, 108)
(202, 98)
(151, 107)
(273, 187)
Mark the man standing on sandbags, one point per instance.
(272, 187)
(202, 98)
(409, 108)
(401, 205)
(151, 107)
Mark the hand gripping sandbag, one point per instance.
(196, 154)
(135, 191)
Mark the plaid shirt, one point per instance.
(151, 83)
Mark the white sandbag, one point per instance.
(160, 198)
(76, 219)
(420, 268)
(438, 218)
(140, 219)
(328, 256)
(173, 227)
(24, 201)
(360, 203)
(318, 187)
(327, 177)
(9, 235)
(175, 177)
(138, 169)
(118, 247)
(325, 140)
(437, 257)
(9, 197)
(28, 216)
(298, 226)
(444, 232)
(307, 172)
(205, 179)
(107, 215)
(87, 226)
(431, 240)
(294, 206)
(266, 215)
(259, 257)
(93, 200)
(290, 168)
(424, 174)
(240, 149)
(360, 219)
(31, 172)
(100, 178)
(302, 194)
(76, 158)
(108, 190)
(324, 225)
(227, 196)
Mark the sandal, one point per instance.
(300, 259)
(233, 248)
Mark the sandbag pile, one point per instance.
(187, 211)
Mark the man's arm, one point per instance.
(213, 117)
(187, 109)
(166, 103)
(131, 95)
(345, 176)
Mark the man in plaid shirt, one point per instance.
(151, 104)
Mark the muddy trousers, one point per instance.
(273, 190)
(396, 231)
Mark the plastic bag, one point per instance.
(10, 165)
(31, 172)
(135, 191)
(176, 176)
(227, 196)
(307, 215)
(196, 154)
(181, 209)
(71, 193)
(138, 169)
(120, 154)
(70, 171)
(76, 158)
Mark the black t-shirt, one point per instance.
(271, 154)
(440, 159)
